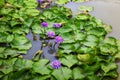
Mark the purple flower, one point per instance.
(58, 39)
(55, 64)
(51, 34)
(44, 24)
(56, 25)
(40, 1)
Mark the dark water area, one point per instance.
(49, 51)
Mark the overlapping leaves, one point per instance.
(85, 53)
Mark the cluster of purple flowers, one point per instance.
(58, 39)
(51, 34)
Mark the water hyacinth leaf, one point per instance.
(36, 29)
(82, 17)
(84, 57)
(108, 67)
(90, 44)
(41, 67)
(67, 47)
(98, 31)
(26, 64)
(47, 14)
(68, 39)
(2, 3)
(58, 74)
(69, 60)
(67, 73)
(20, 43)
(80, 36)
(62, 74)
(117, 56)
(112, 74)
(118, 44)
(84, 49)
(41, 77)
(77, 74)
(32, 12)
(92, 38)
(108, 49)
(18, 63)
(7, 65)
(2, 49)
(62, 1)
(110, 40)
(5, 37)
(85, 8)
(107, 28)
(10, 53)
(30, 4)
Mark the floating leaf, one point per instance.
(62, 74)
(107, 67)
(21, 43)
(69, 60)
(41, 67)
(77, 74)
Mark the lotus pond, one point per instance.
(46, 40)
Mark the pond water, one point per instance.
(106, 10)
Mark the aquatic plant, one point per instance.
(85, 54)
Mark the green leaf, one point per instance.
(108, 49)
(108, 67)
(112, 74)
(62, 1)
(84, 57)
(32, 12)
(67, 48)
(67, 73)
(21, 43)
(82, 17)
(7, 65)
(80, 36)
(5, 37)
(110, 40)
(69, 60)
(98, 31)
(117, 56)
(86, 8)
(77, 74)
(10, 53)
(22, 64)
(2, 2)
(37, 29)
(41, 67)
(62, 74)
(68, 39)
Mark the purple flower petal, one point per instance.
(51, 34)
(55, 64)
(58, 39)
(57, 25)
(40, 1)
(44, 24)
